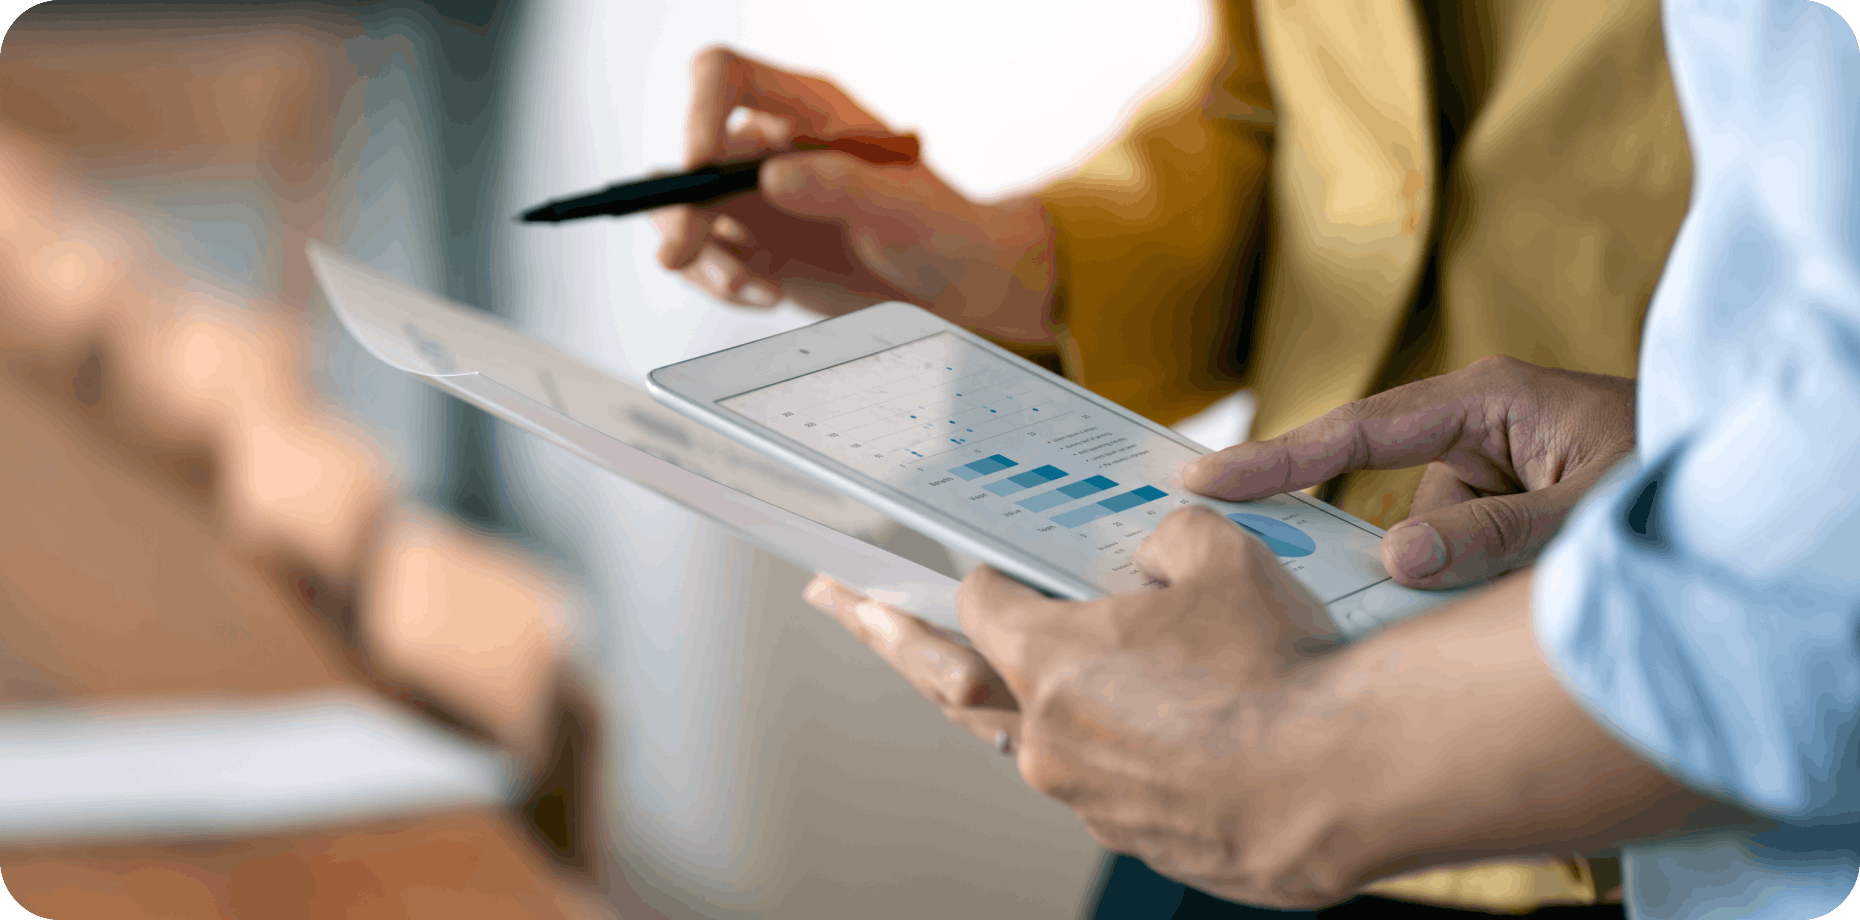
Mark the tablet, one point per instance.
(1002, 460)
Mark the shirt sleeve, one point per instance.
(1706, 606)
(1707, 609)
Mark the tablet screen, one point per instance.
(988, 441)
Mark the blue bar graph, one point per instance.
(1110, 506)
(983, 467)
(1133, 498)
(1081, 516)
(1064, 494)
(1027, 480)
(1086, 487)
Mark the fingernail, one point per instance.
(716, 276)
(759, 294)
(782, 179)
(875, 619)
(1418, 549)
(728, 228)
(819, 592)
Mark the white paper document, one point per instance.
(616, 425)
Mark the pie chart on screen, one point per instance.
(1282, 538)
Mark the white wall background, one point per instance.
(764, 764)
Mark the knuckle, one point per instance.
(1498, 364)
(1044, 729)
(1349, 413)
(832, 169)
(1353, 418)
(961, 684)
(1045, 772)
(1502, 371)
(971, 593)
(1106, 836)
(1506, 528)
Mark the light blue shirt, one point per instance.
(1706, 606)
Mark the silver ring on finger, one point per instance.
(1004, 743)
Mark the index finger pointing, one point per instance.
(1407, 426)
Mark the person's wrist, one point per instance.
(1472, 751)
(1404, 759)
(1335, 736)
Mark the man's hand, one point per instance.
(1166, 719)
(1173, 721)
(1509, 447)
(835, 233)
(1207, 729)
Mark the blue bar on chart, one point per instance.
(1026, 480)
(1064, 494)
(1110, 506)
(983, 467)
(1133, 498)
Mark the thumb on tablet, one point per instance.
(1478, 539)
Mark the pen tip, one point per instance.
(546, 213)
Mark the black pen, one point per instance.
(711, 184)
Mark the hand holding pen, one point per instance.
(713, 183)
(834, 231)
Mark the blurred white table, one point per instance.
(171, 769)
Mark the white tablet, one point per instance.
(1002, 460)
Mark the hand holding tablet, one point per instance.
(987, 453)
(1502, 477)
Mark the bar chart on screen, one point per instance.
(1063, 495)
(1013, 454)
